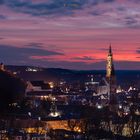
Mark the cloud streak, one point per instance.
(2, 17)
(138, 51)
(83, 58)
(14, 54)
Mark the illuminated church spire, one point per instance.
(110, 71)
(110, 66)
(111, 78)
(110, 49)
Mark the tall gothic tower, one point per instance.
(110, 66)
(110, 71)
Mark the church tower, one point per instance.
(110, 66)
(110, 71)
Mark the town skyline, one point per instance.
(72, 34)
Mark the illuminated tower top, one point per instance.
(2, 66)
(110, 72)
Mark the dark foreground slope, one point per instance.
(11, 89)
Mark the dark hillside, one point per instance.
(11, 89)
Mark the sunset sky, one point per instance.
(73, 34)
